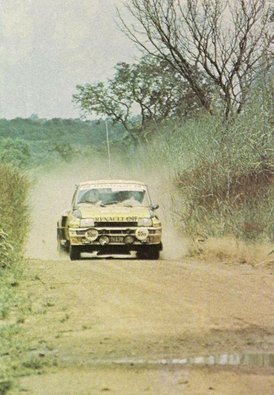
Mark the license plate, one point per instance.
(116, 239)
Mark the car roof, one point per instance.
(94, 182)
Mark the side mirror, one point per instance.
(154, 206)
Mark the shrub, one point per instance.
(13, 213)
(6, 250)
(13, 231)
(223, 172)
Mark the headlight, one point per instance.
(141, 233)
(77, 213)
(92, 234)
(144, 222)
(104, 240)
(86, 222)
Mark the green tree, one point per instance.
(15, 152)
(140, 95)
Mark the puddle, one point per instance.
(246, 359)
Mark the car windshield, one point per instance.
(129, 196)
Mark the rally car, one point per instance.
(110, 217)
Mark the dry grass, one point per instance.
(224, 173)
(231, 250)
(14, 212)
(13, 231)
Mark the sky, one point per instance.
(47, 47)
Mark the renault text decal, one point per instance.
(115, 219)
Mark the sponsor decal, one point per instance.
(115, 219)
(114, 187)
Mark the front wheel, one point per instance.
(150, 253)
(61, 248)
(74, 253)
(154, 255)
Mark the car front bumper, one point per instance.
(115, 236)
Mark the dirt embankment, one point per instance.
(102, 321)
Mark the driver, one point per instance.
(92, 196)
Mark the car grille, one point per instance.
(104, 231)
(115, 224)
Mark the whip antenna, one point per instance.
(108, 147)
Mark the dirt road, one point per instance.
(124, 326)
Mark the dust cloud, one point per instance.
(52, 193)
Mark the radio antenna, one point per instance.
(108, 148)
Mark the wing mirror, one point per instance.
(154, 206)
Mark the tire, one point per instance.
(150, 253)
(74, 253)
(154, 254)
(61, 248)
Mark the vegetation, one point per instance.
(13, 232)
(225, 41)
(223, 172)
(33, 142)
(140, 95)
(13, 212)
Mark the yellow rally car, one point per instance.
(111, 217)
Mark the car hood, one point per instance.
(116, 213)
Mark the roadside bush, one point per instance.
(6, 251)
(14, 224)
(13, 213)
(230, 191)
(223, 172)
